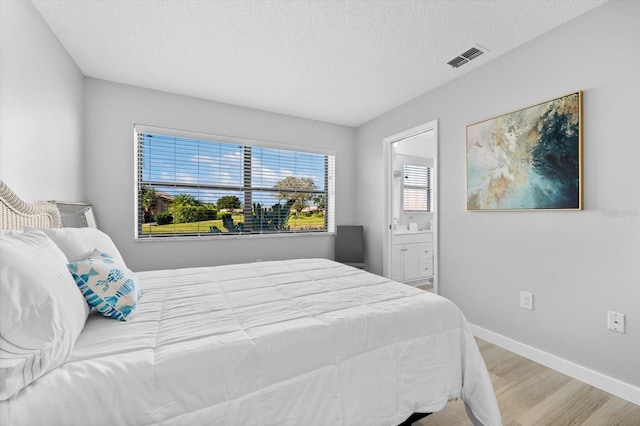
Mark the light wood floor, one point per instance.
(531, 394)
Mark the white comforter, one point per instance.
(299, 342)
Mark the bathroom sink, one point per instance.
(407, 231)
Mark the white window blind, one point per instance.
(195, 186)
(417, 188)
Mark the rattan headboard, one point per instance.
(16, 213)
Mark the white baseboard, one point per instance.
(608, 384)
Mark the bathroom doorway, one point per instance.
(411, 209)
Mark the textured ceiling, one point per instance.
(339, 61)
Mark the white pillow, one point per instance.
(79, 243)
(41, 310)
(108, 286)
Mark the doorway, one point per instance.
(410, 252)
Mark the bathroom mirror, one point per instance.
(412, 192)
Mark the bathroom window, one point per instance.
(416, 188)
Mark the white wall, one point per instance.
(577, 264)
(112, 109)
(40, 108)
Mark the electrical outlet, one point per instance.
(615, 321)
(526, 300)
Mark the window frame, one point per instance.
(329, 184)
(426, 188)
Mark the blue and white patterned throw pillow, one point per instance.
(108, 286)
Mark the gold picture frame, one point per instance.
(529, 159)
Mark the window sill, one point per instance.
(231, 237)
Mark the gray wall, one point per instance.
(111, 110)
(577, 264)
(40, 108)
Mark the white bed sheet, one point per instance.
(298, 342)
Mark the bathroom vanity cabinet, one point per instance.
(412, 256)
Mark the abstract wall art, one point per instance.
(528, 159)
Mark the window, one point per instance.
(416, 188)
(193, 185)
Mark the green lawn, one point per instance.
(295, 223)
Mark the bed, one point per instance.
(292, 342)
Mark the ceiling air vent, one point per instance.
(465, 57)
